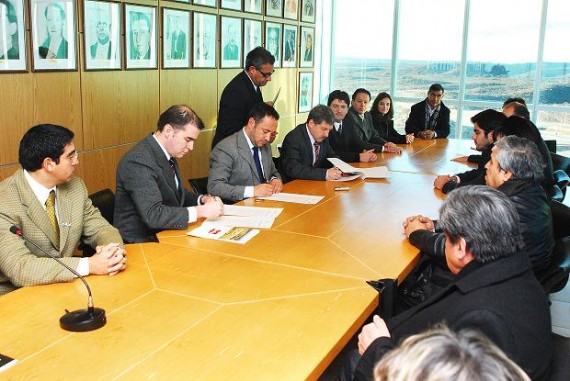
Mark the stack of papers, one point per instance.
(355, 173)
(294, 197)
(213, 230)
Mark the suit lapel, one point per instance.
(245, 152)
(162, 162)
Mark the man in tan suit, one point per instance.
(51, 207)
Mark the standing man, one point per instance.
(8, 31)
(102, 48)
(241, 165)
(306, 149)
(243, 92)
(484, 125)
(358, 127)
(429, 119)
(150, 194)
(338, 103)
(51, 207)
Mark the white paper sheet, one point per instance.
(251, 211)
(372, 172)
(245, 221)
(294, 197)
(215, 231)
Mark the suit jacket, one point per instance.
(360, 134)
(296, 160)
(386, 130)
(22, 264)
(147, 199)
(417, 117)
(232, 167)
(230, 52)
(178, 46)
(61, 53)
(237, 99)
(337, 142)
(93, 49)
(502, 299)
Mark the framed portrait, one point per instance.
(206, 3)
(12, 36)
(176, 41)
(273, 40)
(102, 37)
(252, 6)
(308, 10)
(289, 53)
(274, 8)
(307, 49)
(140, 37)
(305, 91)
(231, 4)
(53, 34)
(205, 40)
(252, 36)
(290, 9)
(231, 46)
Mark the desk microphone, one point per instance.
(82, 320)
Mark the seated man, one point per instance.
(494, 292)
(484, 123)
(150, 194)
(241, 165)
(429, 119)
(358, 128)
(338, 103)
(52, 209)
(306, 148)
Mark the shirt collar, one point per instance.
(253, 84)
(168, 157)
(249, 143)
(310, 136)
(337, 125)
(41, 192)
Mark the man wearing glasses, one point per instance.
(243, 92)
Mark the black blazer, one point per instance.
(417, 117)
(474, 176)
(296, 161)
(236, 102)
(336, 141)
(360, 134)
(386, 129)
(501, 299)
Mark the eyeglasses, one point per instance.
(265, 75)
(73, 156)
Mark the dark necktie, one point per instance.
(173, 168)
(258, 165)
(50, 210)
(317, 151)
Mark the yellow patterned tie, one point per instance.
(50, 210)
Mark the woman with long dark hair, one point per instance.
(382, 112)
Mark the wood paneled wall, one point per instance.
(110, 111)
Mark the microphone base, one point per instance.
(83, 320)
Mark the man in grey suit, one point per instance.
(150, 195)
(52, 209)
(241, 165)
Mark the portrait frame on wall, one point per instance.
(307, 51)
(273, 32)
(234, 5)
(205, 3)
(308, 10)
(53, 50)
(13, 53)
(205, 40)
(230, 42)
(291, 9)
(102, 21)
(289, 53)
(176, 38)
(305, 91)
(252, 36)
(140, 37)
(274, 8)
(252, 6)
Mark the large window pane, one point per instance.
(363, 45)
(429, 49)
(502, 49)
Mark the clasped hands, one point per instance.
(108, 259)
(419, 222)
(426, 134)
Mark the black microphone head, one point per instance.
(16, 230)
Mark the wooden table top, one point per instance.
(280, 307)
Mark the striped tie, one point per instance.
(50, 210)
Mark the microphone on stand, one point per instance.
(83, 320)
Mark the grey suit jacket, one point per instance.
(359, 135)
(22, 264)
(147, 199)
(232, 167)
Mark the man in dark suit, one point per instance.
(494, 290)
(429, 119)
(241, 165)
(150, 194)
(243, 92)
(306, 149)
(8, 31)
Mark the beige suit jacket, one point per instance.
(21, 264)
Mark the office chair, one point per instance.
(104, 200)
(199, 185)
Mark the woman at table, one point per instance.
(382, 113)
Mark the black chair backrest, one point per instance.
(560, 219)
(104, 200)
(560, 162)
(199, 185)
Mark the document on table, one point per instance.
(373, 172)
(294, 197)
(251, 211)
(245, 221)
(216, 231)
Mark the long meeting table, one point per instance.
(280, 307)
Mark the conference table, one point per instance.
(280, 307)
